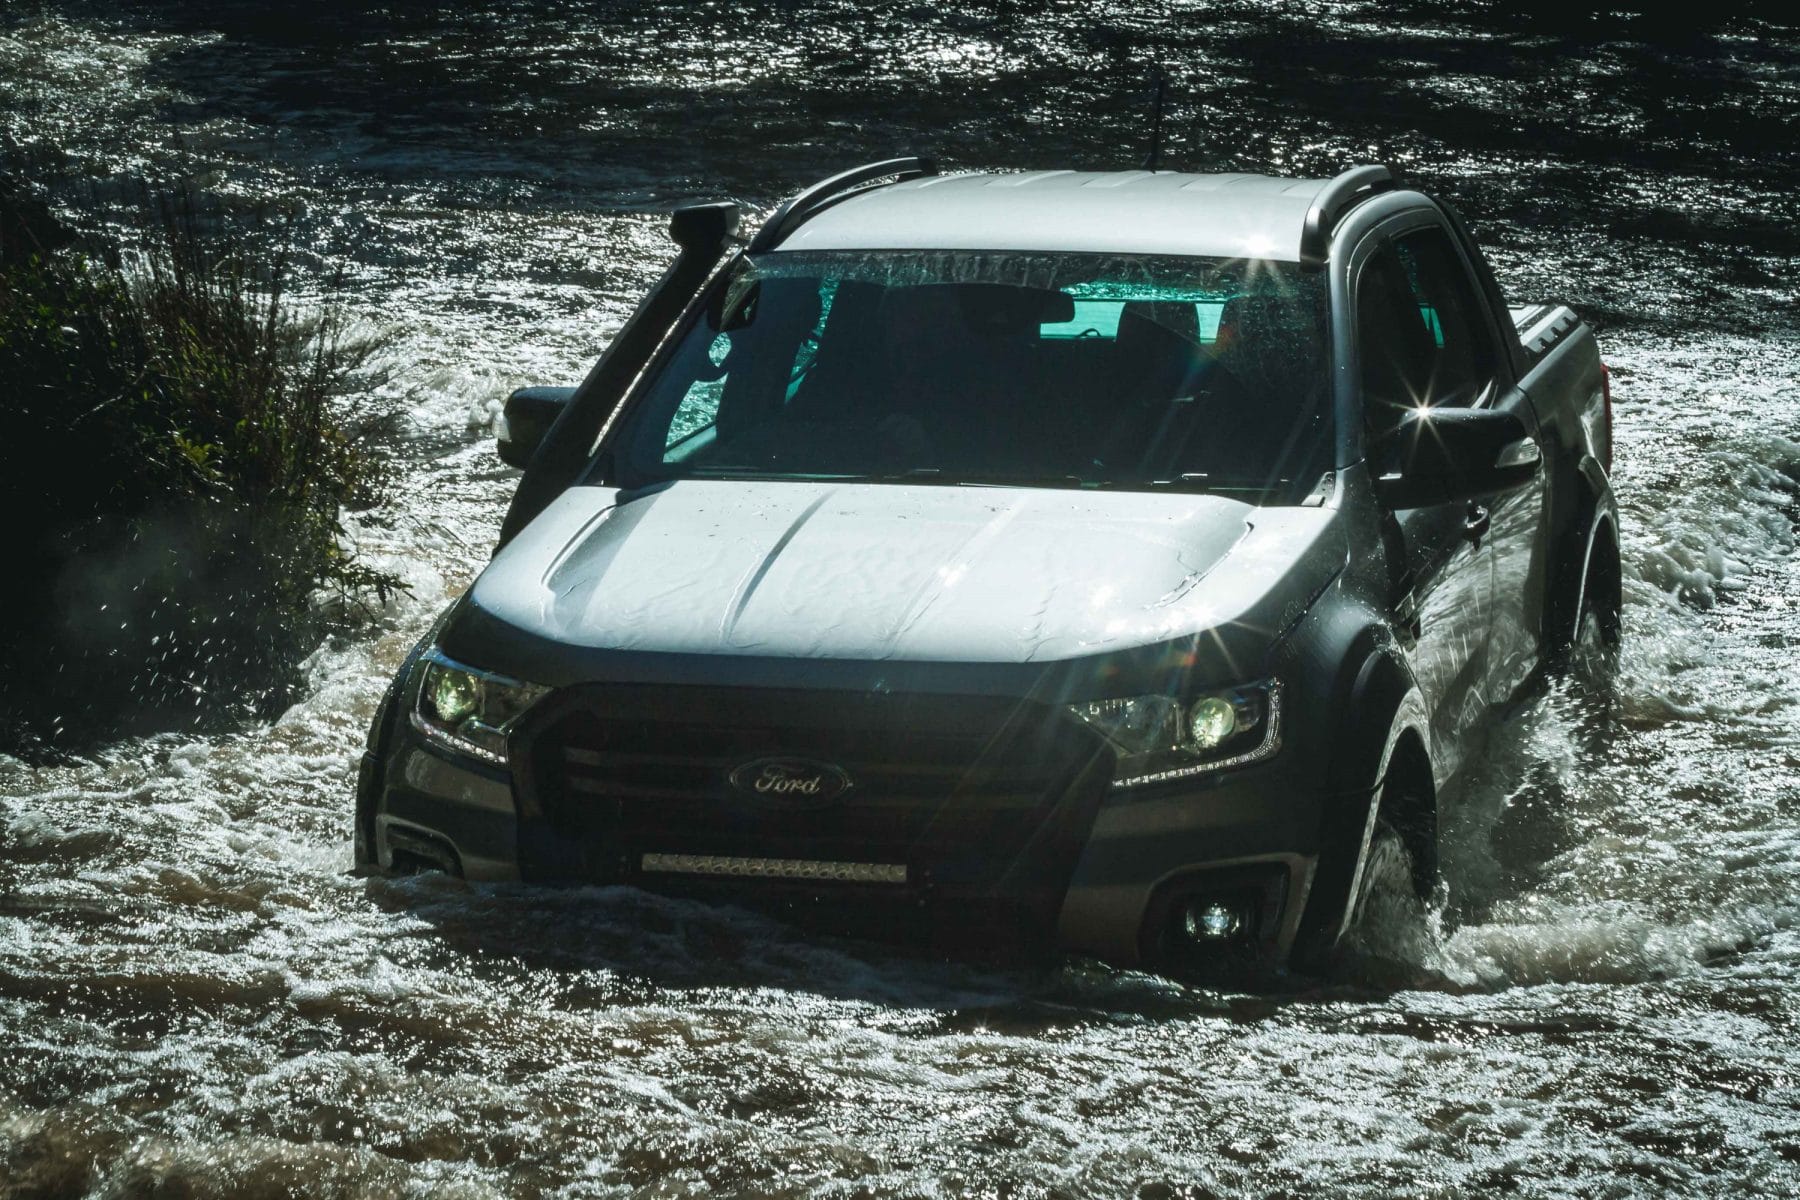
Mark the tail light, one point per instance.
(1606, 408)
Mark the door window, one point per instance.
(1422, 337)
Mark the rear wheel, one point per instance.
(1593, 665)
(1590, 659)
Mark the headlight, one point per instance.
(467, 710)
(1159, 737)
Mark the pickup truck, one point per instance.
(1120, 564)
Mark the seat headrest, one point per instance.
(993, 309)
(1175, 316)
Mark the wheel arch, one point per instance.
(371, 774)
(1385, 729)
(1591, 542)
(1602, 578)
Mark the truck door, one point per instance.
(1517, 535)
(1418, 327)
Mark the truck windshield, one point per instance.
(959, 367)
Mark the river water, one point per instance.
(198, 999)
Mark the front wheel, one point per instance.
(1387, 889)
(1389, 935)
(1384, 920)
(1593, 665)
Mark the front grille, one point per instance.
(955, 796)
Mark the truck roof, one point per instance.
(1132, 212)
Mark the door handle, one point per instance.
(1406, 619)
(1475, 523)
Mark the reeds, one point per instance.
(176, 455)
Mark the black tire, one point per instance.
(1375, 749)
(1383, 915)
(1589, 658)
(1387, 885)
(1386, 943)
(1593, 661)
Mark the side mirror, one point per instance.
(527, 417)
(1443, 455)
(735, 307)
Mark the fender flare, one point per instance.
(1597, 510)
(1383, 705)
(1603, 519)
(371, 773)
(1594, 475)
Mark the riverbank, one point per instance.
(197, 996)
(180, 447)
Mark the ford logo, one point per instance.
(798, 782)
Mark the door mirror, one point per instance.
(528, 415)
(735, 307)
(1442, 455)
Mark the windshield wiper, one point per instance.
(1205, 483)
(1192, 482)
(733, 472)
(938, 475)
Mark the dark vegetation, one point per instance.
(177, 453)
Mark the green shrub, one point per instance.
(176, 456)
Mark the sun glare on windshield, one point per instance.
(1031, 369)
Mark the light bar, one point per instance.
(775, 868)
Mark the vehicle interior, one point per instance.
(1097, 382)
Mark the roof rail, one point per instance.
(801, 208)
(1336, 198)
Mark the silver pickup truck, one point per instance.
(1120, 564)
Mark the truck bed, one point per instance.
(1542, 326)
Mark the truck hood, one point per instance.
(925, 573)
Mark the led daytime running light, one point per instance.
(467, 710)
(1159, 738)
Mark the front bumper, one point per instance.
(1000, 813)
(1244, 836)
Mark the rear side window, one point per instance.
(1100, 319)
(1093, 319)
(1421, 333)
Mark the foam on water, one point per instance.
(196, 995)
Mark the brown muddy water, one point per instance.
(197, 998)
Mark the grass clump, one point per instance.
(176, 459)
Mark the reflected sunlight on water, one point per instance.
(195, 996)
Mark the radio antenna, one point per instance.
(1154, 158)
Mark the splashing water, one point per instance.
(196, 996)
